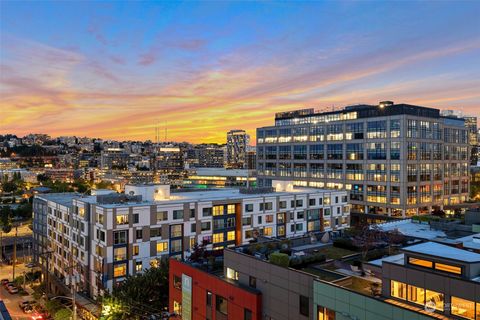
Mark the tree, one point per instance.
(143, 294)
(63, 314)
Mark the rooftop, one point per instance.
(443, 251)
(412, 229)
(64, 199)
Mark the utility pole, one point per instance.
(14, 252)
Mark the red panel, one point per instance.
(238, 298)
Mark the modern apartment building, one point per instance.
(395, 159)
(425, 281)
(237, 143)
(107, 236)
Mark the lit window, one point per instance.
(217, 237)
(120, 253)
(177, 307)
(136, 250)
(448, 268)
(267, 231)
(463, 308)
(122, 218)
(231, 209)
(325, 314)
(398, 289)
(416, 295)
(230, 235)
(420, 262)
(218, 210)
(434, 300)
(138, 266)
(232, 274)
(162, 247)
(120, 270)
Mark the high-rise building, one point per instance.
(395, 159)
(107, 236)
(114, 158)
(471, 124)
(206, 156)
(237, 142)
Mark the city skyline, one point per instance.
(118, 70)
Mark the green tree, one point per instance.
(144, 294)
(63, 314)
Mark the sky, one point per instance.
(118, 70)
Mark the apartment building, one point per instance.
(107, 236)
(425, 281)
(396, 160)
(237, 143)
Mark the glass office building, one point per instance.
(396, 160)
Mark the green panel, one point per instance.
(358, 312)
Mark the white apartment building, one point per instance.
(107, 236)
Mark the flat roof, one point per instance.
(443, 251)
(397, 259)
(220, 194)
(64, 199)
(412, 229)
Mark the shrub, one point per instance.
(63, 314)
(299, 262)
(53, 306)
(280, 259)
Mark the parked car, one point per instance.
(4, 281)
(24, 304)
(30, 265)
(8, 284)
(12, 289)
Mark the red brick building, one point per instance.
(208, 296)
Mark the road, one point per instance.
(12, 300)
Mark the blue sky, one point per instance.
(112, 69)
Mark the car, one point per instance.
(30, 265)
(24, 304)
(4, 281)
(28, 309)
(8, 284)
(12, 289)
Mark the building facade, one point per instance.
(210, 297)
(107, 236)
(237, 143)
(396, 160)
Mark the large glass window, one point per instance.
(162, 247)
(120, 237)
(376, 129)
(122, 218)
(416, 295)
(316, 151)
(335, 151)
(300, 152)
(435, 300)
(325, 313)
(463, 308)
(398, 289)
(218, 210)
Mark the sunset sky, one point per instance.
(116, 69)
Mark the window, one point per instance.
(155, 232)
(138, 234)
(221, 304)
(247, 314)
(448, 268)
(420, 262)
(268, 231)
(162, 216)
(325, 314)
(120, 270)
(120, 237)
(209, 298)
(282, 204)
(252, 282)
(176, 231)
(177, 282)
(136, 250)
(218, 210)
(217, 237)
(266, 206)
(193, 228)
(135, 218)
(463, 308)
(192, 213)
(299, 203)
(162, 247)
(304, 306)
(249, 207)
(434, 300)
(416, 295)
(269, 218)
(138, 266)
(311, 202)
(205, 226)
(207, 212)
(231, 236)
(176, 245)
(122, 218)
(120, 254)
(232, 274)
(398, 289)
(231, 209)
(177, 214)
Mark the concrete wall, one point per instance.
(281, 287)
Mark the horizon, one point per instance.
(118, 70)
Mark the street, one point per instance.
(11, 300)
